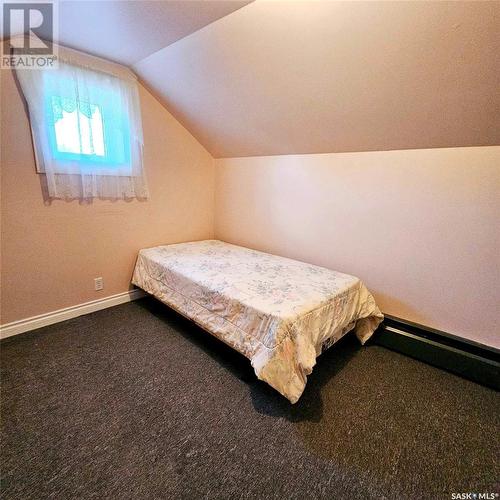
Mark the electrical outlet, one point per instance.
(98, 283)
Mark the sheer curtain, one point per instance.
(86, 126)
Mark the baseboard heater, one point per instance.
(468, 359)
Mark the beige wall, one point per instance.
(420, 227)
(52, 253)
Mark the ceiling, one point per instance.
(126, 31)
(320, 76)
(312, 76)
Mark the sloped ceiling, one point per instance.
(126, 31)
(320, 76)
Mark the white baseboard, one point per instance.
(25, 325)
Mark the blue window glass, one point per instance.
(92, 131)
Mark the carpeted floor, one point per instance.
(136, 402)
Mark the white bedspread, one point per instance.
(278, 312)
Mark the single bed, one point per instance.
(278, 312)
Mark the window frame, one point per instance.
(94, 164)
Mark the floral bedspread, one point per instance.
(277, 312)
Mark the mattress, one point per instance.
(277, 312)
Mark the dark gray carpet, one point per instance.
(136, 402)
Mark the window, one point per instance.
(78, 128)
(91, 129)
(86, 126)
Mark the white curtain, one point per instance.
(86, 126)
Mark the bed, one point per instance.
(279, 313)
